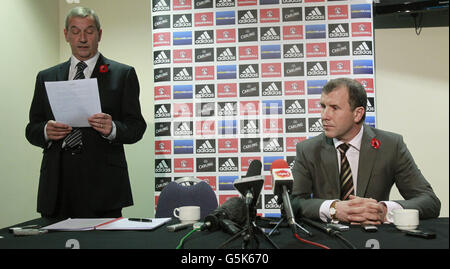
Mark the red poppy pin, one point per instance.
(103, 68)
(375, 143)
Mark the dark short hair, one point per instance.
(357, 95)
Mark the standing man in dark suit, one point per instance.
(346, 173)
(84, 171)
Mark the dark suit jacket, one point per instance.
(106, 173)
(316, 174)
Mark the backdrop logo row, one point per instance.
(238, 80)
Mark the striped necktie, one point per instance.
(345, 176)
(74, 138)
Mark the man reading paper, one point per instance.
(84, 171)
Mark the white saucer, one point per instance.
(406, 227)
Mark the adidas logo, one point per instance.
(161, 5)
(291, 164)
(162, 112)
(227, 110)
(370, 106)
(250, 128)
(338, 32)
(226, 55)
(362, 49)
(249, 72)
(204, 38)
(271, 34)
(248, 17)
(183, 21)
(204, 92)
(293, 52)
(162, 167)
(315, 14)
(162, 58)
(272, 90)
(228, 166)
(206, 147)
(317, 70)
(272, 203)
(273, 146)
(317, 126)
(183, 129)
(295, 108)
(182, 75)
(225, 3)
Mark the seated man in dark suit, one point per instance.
(346, 173)
(84, 171)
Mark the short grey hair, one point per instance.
(82, 12)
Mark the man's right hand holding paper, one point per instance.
(56, 130)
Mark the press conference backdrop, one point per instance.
(238, 80)
(412, 94)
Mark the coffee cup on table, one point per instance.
(187, 214)
(406, 219)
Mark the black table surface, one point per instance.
(387, 237)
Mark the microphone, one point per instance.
(318, 226)
(251, 184)
(282, 181)
(329, 231)
(254, 169)
(227, 216)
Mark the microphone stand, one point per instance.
(284, 219)
(249, 232)
(288, 216)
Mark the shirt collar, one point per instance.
(355, 142)
(91, 62)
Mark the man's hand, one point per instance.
(359, 210)
(56, 130)
(102, 123)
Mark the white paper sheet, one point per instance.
(74, 101)
(105, 224)
(77, 224)
(125, 224)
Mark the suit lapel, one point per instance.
(367, 156)
(100, 76)
(96, 72)
(63, 72)
(330, 164)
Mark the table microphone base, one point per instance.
(249, 236)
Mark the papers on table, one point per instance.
(74, 101)
(105, 224)
(126, 224)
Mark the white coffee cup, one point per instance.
(187, 214)
(405, 219)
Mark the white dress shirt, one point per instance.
(87, 71)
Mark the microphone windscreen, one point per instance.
(279, 163)
(235, 209)
(254, 169)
